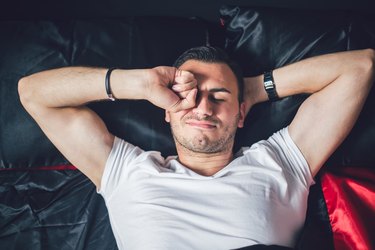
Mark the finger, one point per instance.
(183, 94)
(184, 73)
(189, 101)
(186, 103)
(180, 87)
(183, 76)
(178, 72)
(184, 79)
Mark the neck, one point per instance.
(205, 164)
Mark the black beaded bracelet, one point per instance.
(108, 84)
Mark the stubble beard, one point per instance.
(203, 144)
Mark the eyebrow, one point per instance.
(214, 90)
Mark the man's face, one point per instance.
(211, 125)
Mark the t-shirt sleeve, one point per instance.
(282, 147)
(116, 168)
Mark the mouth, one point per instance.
(205, 125)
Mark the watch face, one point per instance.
(268, 85)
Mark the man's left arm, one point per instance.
(339, 84)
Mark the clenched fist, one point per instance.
(171, 89)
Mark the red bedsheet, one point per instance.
(350, 199)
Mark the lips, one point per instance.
(201, 124)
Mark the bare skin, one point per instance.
(56, 100)
(204, 134)
(339, 84)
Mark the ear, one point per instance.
(242, 115)
(167, 116)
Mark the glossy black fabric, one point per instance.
(60, 209)
(52, 210)
(317, 231)
(208, 9)
(262, 39)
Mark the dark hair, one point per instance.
(213, 55)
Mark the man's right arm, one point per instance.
(56, 100)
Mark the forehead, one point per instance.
(218, 74)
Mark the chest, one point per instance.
(235, 208)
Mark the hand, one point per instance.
(171, 89)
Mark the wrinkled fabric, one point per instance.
(350, 199)
(52, 210)
(262, 39)
(58, 209)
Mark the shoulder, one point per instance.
(127, 162)
(280, 151)
(277, 141)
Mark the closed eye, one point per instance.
(216, 93)
(213, 99)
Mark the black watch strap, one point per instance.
(269, 86)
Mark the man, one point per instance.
(207, 197)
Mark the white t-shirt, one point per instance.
(157, 203)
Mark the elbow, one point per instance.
(368, 62)
(366, 67)
(371, 54)
(22, 84)
(25, 92)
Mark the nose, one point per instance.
(203, 107)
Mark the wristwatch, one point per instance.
(269, 86)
